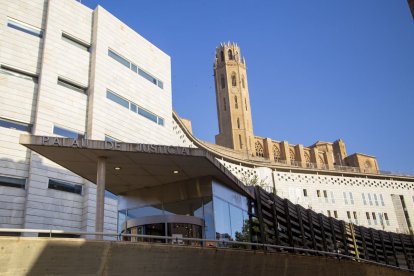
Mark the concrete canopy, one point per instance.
(140, 165)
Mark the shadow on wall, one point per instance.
(49, 256)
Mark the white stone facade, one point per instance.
(42, 103)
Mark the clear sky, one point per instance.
(317, 70)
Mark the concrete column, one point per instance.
(314, 157)
(300, 153)
(329, 160)
(267, 144)
(100, 196)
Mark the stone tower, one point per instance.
(233, 103)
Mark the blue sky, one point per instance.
(317, 70)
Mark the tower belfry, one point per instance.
(232, 96)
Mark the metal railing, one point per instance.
(218, 244)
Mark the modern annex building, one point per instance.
(70, 72)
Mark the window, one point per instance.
(119, 58)
(114, 97)
(6, 123)
(305, 193)
(6, 70)
(134, 108)
(221, 55)
(240, 141)
(67, 133)
(368, 218)
(65, 186)
(236, 105)
(111, 139)
(348, 214)
(386, 219)
(147, 76)
(335, 214)
(345, 198)
(110, 195)
(332, 198)
(259, 149)
(369, 199)
(233, 80)
(355, 217)
(376, 199)
(71, 85)
(325, 195)
(12, 182)
(351, 198)
(238, 123)
(74, 41)
(230, 54)
(135, 68)
(318, 193)
(222, 82)
(363, 199)
(224, 102)
(374, 218)
(245, 103)
(23, 27)
(382, 199)
(329, 213)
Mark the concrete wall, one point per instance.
(43, 256)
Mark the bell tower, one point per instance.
(232, 96)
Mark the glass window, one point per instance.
(71, 40)
(348, 214)
(335, 214)
(147, 114)
(376, 199)
(382, 200)
(192, 207)
(26, 28)
(345, 198)
(119, 58)
(12, 182)
(222, 219)
(67, 133)
(363, 199)
(6, 123)
(209, 219)
(5, 70)
(332, 197)
(115, 98)
(230, 196)
(121, 219)
(134, 68)
(351, 197)
(369, 199)
(160, 121)
(318, 193)
(110, 195)
(133, 108)
(305, 193)
(237, 223)
(160, 84)
(71, 85)
(147, 76)
(65, 186)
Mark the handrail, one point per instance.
(264, 246)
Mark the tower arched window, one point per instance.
(245, 103)
(276, 153)
(230, 54)
(224, 102)
(240, 142)
(238, 123)
(223, 84)
(259, 149)
(233, 80)
(292, 155)
(236, 104)
(243, 82)
(221, 55)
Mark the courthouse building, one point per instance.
(85, 77)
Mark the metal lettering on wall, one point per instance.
(112, 145)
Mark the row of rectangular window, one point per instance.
(6, 123)
(71, 85)
(372, 196)
(74, 41)
(67, 133)
(381, 216)
(65, 186)
(24, 27)
(351, 198)
(325, 195)
(134, 107)
(10, 71)
(12, 182)
(135, 68)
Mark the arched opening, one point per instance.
(238, 123)
(236, 104)
(259, 149)
(233, 80)
(276, 153)
(223, 84)
(240, 142)
(230, 54)
(221, 55)
(224, 104)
